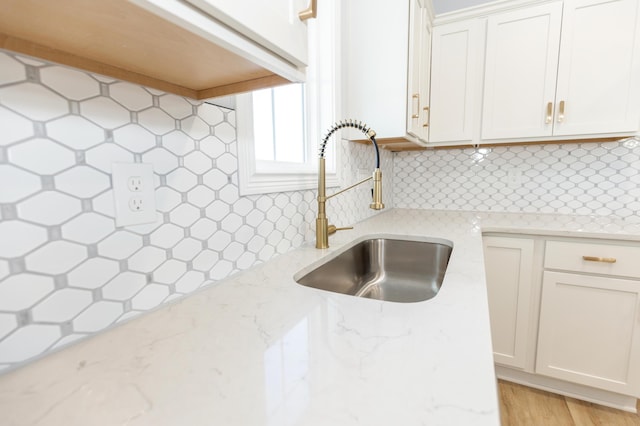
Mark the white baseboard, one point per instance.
(585, 393)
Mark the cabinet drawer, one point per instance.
(593, 258)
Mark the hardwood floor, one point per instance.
(524, 406)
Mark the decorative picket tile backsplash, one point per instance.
(579, 178)
(66, 271)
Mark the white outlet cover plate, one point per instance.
(123, 195)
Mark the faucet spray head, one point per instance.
(377, 203)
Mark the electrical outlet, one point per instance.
(136, 204)
(514, 177)
(133, 193)
(134, 183)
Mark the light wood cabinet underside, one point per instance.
(120, 40)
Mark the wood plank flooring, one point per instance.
(524, 406)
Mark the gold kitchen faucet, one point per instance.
(323, 229)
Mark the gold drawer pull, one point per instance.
(561, 112)
(599, 259)
(549, 116)
(417, 114)
(310, 12)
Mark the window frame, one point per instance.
(263, 177)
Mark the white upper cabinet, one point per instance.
(551, 72)
(386, 67)
(419, 71)
(215, 49)
(269, 35)
(520, 72)
(456, 81)
(274, 24)
(599, 72)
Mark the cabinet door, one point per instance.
(589, 331)
(374, 63)
(520, 72)
(455, 80)
(599, 71)
(273, 24)
(418, 69)
(509, 269)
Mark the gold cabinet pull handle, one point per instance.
(561, 112)
(309, 12)
(549, 113)
(416, 96)
(599, 259)
(428, 116)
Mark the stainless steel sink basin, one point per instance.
(389, 268)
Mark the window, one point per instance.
(279, 124)
(279, 128)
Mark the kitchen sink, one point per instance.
(393, 269)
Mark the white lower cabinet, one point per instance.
(509, 266)
(565, 315)
(590, 331)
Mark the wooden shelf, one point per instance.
(393, 144)
(119, 39)
(399, 145)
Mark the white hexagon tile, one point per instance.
(66, 271)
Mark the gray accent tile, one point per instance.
(80, 158)
(92, 250)
(24, 318)
(104, 89)
(47, 183)
(17, 266)
(74, 107)
(87, 205)
(39, 129)
(54, 233)
(96, 294)
(66, 328)
(9, 211)
(33, 74)
(60, 282)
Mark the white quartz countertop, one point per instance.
(259, 349)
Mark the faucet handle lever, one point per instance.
(331, 229)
